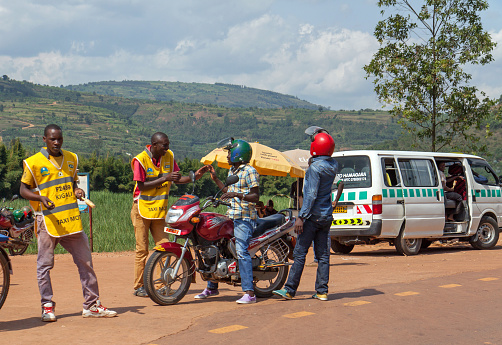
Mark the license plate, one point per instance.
(172, 231)
(340, 209)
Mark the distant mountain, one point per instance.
(122, 126)
(226, 95)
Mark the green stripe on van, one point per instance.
(351, 196)
(392, 193)
(405, 192)
(418, 192)
(399, 193)
(483, 193)
(412, 193)
(384, 193)
(363, 195)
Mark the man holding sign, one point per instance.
(49, 182)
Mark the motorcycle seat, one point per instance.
(266, 223)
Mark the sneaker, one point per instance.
(320, 296)
(48, 312)
(140, 292)
(97, 310)
(246, 299)
(206, 293)
(283, 293)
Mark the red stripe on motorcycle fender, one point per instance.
(174, 248)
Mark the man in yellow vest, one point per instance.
(154, 170)
(49, 181)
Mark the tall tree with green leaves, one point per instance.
(419, 69)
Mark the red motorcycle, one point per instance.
(16, 233)
(208, 247)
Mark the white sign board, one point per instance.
(83, 183)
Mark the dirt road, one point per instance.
(371, 274)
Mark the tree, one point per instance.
(418, 69)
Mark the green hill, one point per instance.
(122, 126)
(226, 95)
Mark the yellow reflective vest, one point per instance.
(57, 185)
(153, 203)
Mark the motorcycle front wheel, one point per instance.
(160, 286)
(272, 278)
(4, 278)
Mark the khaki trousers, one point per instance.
(141, 228)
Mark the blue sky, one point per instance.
(312, 49)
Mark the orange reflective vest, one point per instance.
(56, 183)
(153, 203)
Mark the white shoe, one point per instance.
(97, 310)
(48, 312)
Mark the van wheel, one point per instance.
(487, 235)
(408, 246)
(339, 248)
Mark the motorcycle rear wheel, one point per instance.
(4, 279)
(264, 288)
(160, 287)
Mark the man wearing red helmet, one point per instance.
(315, 217)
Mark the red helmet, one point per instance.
(322, 145)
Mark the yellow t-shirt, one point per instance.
(27, 177)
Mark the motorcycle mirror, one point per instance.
(191, 174)
(14, 197)
(231, 180)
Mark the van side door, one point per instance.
(485, 190)
(423, 198)
(392, 198)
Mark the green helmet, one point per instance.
(18, 215)
(240, 150)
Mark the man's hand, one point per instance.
(298, 226)
(79, 193)
(202, 171)
(47, 202)
(173, 176)
(231, 195)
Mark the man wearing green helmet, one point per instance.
(243, 196)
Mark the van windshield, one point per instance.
(354, 171)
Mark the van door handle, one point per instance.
(438, 195)
(400, 202)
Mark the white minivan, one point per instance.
(398, 197)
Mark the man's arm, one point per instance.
(252, 196)
(311, 183)
(198, 175)
(29, 195)
(339, 191)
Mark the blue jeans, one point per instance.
(243, 232)
(318, 232)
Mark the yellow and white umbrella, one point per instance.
(266, 160)
(299, 156)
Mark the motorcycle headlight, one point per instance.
(173, 215)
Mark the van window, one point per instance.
(354, 171)
(418, 172)
(390, 173)
(482, 172)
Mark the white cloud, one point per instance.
(313, 49)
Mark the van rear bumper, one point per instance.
(374, 230)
